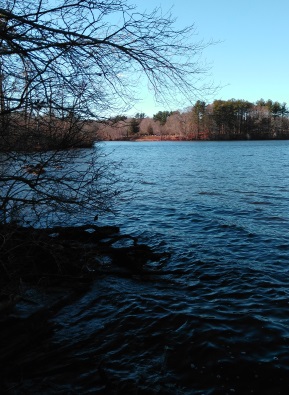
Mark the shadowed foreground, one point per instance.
(86, 310)
(42, 271)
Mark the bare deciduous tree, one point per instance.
(68, 60)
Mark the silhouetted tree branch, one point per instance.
(68, 61)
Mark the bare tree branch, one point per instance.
(66, 62)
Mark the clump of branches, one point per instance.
(92, 50)
(57, 186)
(62, 64)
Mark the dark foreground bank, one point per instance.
(43, 271)
(86, 310)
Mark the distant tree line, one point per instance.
(221, 120)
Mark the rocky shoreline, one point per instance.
(67, 257)
(44, 270)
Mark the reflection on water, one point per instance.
(220, 324)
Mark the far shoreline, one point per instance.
(160, 139)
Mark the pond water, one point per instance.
(219, 323)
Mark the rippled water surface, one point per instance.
(219, 323)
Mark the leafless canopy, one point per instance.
(62, 61)
(93, 51)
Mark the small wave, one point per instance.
(260, 202)
(283, 247)
(143, 182)
(274, 218)
(210, 193)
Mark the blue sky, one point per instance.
(251, 60)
